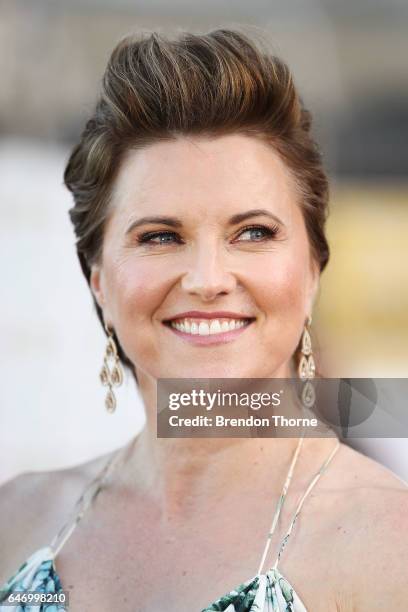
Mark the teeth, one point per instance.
(203, 329)
(215, 327)
(206, 328)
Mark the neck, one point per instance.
(176, 473)
(180, 474)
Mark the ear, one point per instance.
(314, 285)
(97, 285)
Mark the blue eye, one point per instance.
(149, 236)
(259, 232)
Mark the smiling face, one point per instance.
(208, 259)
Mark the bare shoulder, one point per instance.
(33, 507)
(361, 471)
(373, 521)
(372, 494)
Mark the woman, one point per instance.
(200, 200)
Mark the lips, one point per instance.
(208, 331)
(218, 314)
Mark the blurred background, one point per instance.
(349, 62)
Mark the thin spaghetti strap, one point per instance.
(302, 499)
(281, 501)
(87, 497)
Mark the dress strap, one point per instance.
(302, 499)
(281, 500)
(87, 497)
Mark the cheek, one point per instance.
(281, 283)
(136, 289)
(281, 299)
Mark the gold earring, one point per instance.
(111, 374)
(307, 367)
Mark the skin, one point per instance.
(218, 267)
(165, 528)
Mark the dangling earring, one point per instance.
(111, 376)
(307, 367)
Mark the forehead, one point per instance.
(226, 173)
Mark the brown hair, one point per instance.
(212, 84)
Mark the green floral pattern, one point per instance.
(36, 574)
(265, 592)
(269, 592)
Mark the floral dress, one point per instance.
(267, 591)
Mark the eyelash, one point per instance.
(270, 232)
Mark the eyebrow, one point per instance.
(176, 223)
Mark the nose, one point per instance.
(207, 275)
